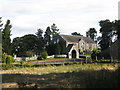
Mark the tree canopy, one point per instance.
(76, 33)
(6, 40)
(92, 33)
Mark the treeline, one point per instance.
(110, 34)
(39, 42)
(31, 44)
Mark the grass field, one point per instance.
(65, 76)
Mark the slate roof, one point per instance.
(73, 38)
(69, 47)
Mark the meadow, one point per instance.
(91, 75)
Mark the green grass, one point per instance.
(51, 59)
(108, 60)
(30, 61)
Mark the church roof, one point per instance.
(69, 47)
(74, 38)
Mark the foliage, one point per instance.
(75, 33)
(44, 54)
(40, 41)
(47, 36)
(54, 29)
(106, 31)
(7, 66)
(8, 59)
(6, 41)
(57, 49)
(92, 33)
(25, 43)
(116, 28)
(96, 54)
(62, 47)
(29, 53)
(50, 49)
(1, 24)
(0, 52)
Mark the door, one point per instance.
(73, 54)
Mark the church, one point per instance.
(76, 45)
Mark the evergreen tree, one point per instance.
(6, 41)
(41, 42)
(62, 47)
(1, 24)
(92, 33)
(47, 36)
(116, 26)
(106, 31)
(55, 31)
(57, 49)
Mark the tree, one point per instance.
(40, 41)
(39, 33)
(21, 45)
(50, 49)
(1, 24)
(6, 41)
(106, 31)
(29, 53)
(116, 28)
(57, 49)
(44, 54)
(92, 33)
(54, 29)
(16, 45)
(75, 33)
(47, 36)
(96, 54)
(62, 47)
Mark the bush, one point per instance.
(44, 55)
(96, 54)
(8, 59)
(29, 53)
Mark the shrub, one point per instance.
(96, 54)
(8, 59)
(29, 53)
(44, 54)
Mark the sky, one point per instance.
(69, 15)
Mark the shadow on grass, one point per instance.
(81, 79)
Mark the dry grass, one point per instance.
(70, 76)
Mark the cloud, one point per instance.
(69, 15)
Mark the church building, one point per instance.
(76, 45)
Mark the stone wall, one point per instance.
(25, 58)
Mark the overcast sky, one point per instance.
(69, 15)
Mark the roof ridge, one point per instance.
(71, 35)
